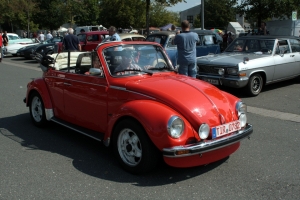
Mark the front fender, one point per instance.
(39, 85)
(153, 116)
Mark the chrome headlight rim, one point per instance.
(221, 71)
(175, 126)
(204, 131)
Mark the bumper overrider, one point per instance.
(202, 147)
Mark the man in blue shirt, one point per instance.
(186, 48)
(113, 33)
(71, 42)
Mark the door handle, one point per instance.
(292, 55)
(68, 84)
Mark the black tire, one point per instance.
(139, 155)
(37, 110)
(255, 85)
(14, 55)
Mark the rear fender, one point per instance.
(39, 86)
(154, 117)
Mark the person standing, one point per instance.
(263, 29)
(71, 42)
(49, 35)
(1, 48)
(41, 37)
(5, 41)
(112, 31)
(186, 48)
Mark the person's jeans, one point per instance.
(189, 69)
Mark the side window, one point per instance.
(138, 39)
(83, 63)
(208, 40)
(283, 45)
(81, 37)
(199, 43)
(295, 45)
(170, 42)
(127, 39)
(97, 65)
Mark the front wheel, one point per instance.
(133, 148)
(37, 110)
(255, 85)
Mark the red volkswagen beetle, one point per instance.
(128, 95)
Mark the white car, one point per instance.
(14, 38)
(13, 48)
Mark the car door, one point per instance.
(284, 59)
(85, 96)
(295, 47)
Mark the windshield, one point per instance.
(251, 45)
(160, 39)
(131, 60)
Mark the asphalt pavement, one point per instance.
(57, 163)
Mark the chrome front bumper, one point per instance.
(235, 82)
(207, 146)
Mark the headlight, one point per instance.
(233, 71)
(204, 131)
(221, 71)
(241, 110)
(175, 126)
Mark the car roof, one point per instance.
(93, 33)
(125, 35)
(268, 37)
(204, 32)
(167, 33)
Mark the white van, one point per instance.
(235, 28)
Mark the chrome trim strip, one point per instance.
(49, 114)
(74, 129)
(124, 89)
(203, 147)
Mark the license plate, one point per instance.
(225, 129)
(212, 81)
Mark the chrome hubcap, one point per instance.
(129, 147)
(36, 109)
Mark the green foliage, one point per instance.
(159, 16)
(218, 13)
(197, 22)
(263, 10)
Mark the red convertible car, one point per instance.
(128, 95)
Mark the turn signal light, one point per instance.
(242, 74)
(182, 152)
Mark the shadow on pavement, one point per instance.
(89, 156)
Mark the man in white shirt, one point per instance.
(42, 37)
(49, 35)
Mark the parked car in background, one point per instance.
(13, 48)
(207, 43)
(127, 37)
(88, 40)
(28, 51)
(47, 48)
(14, 39)
(251, 62)
(144, 113)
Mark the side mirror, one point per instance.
(95, 71)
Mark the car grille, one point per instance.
(208, 69)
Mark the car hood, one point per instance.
(198, 101)
(229, 58)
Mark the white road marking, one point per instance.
(274, 114)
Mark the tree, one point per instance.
(197, 22)
(160, 16)
(163, 2)
(263, 10)
(129, 13)
(218, 13)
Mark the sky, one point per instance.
(183, 6)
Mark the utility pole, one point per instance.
(28, 6)
(202, 14)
